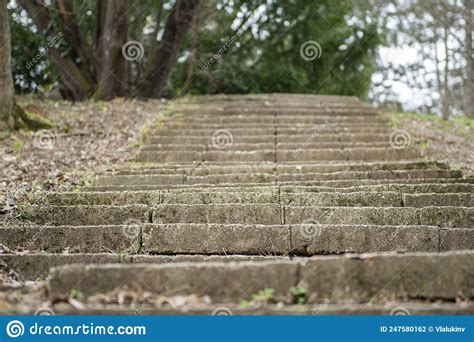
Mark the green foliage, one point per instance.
(27, 43)
(241, 46)
(263, 55)
(264, 296)
(76, 294)
(298, 294)
(16, 145)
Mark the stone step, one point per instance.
(253, 213)
(215, 239)
(271, 121)
(247, 99)
(368, 154)
(386, 309)
(152, 179)
(310, 111)
(103, 198)
(304, 240)
(208, 169)
(82, 215)
(272, 138)
(336, 185)
(271, 214)
(353, 154)
(216, 196)
(330, 129)
(427, 188)
(34, 266)
(337, 279)
(214, 124)
(456, 217)
(260, 146)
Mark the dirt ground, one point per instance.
(87, 136)
(451, 141)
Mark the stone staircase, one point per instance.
(238, 194)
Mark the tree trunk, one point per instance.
(446, 92)
(7, 101)
(113, 80)
(193, 53)
(469, 81)
(76, 84)
(100, 13)
(178, 23)
(73, 36)
(439, 83)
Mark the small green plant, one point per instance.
(76, 294)
(265, 295)
(424, 145)
(16, 145)
(298, 294)
(261, 297)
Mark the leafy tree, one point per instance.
(255, 46)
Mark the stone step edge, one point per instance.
(276, 174)
(373, 182)
(330, 279)
(211, 196)
(214, 239)
(227, 309)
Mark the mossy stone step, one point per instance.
(204, 169)
(270, 177)
(331, 184)
(337, 279)
(348, 154)
(455, 217)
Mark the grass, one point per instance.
(459, 124)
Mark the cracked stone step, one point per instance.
(454, 217)
(335, 279)
(331, 184)
(304, 240)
